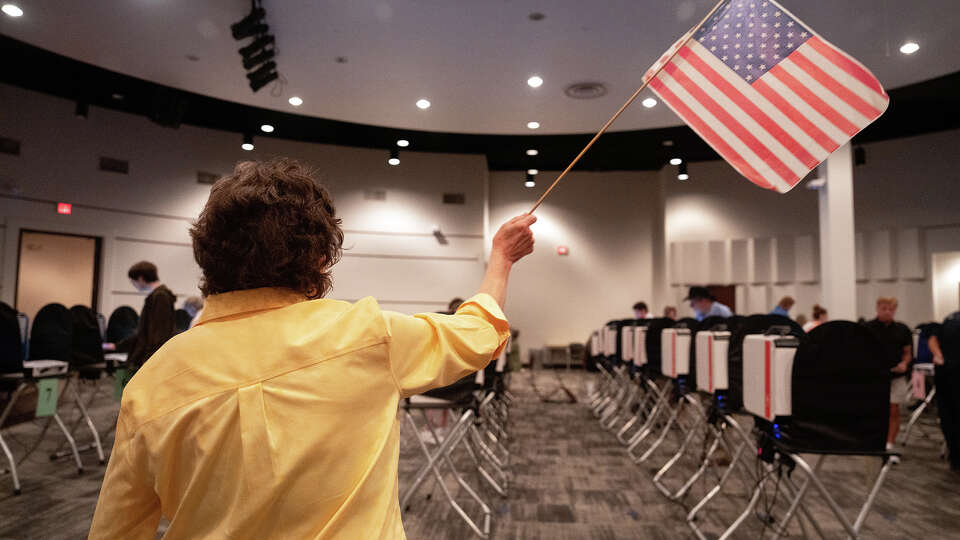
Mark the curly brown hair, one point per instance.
(269, 224)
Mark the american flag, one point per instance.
(773, 98)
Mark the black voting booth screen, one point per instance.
(655, 329)
(122, 324)
(86, 342)
(740, 328)
(841, 392)
(11, 349)
(51, 336)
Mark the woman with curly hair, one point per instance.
(275, 416)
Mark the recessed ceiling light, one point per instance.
(403, 143)
(12, 10)
(393, 161)
(532, 152)
(117, 96)
(295, 101)
(247, 146)
(530, 183)
(394, 157)
(423, 103)
(533, 171)
(266, 128)
(907, 48)
(535, 81)
(683, 176)
(533, 125)
(676, 161)
(649, 103)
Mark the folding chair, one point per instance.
(18, 376)
(826, 396)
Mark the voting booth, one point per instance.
(712, 347)
(768, 374)
(652, 343)
(675, 352)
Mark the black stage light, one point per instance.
(250, 25)
(263, 56)
(262, 76)
(257, 44)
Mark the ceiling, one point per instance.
(470, 58)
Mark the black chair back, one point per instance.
(654, 330)
(87, 343)
(841, 392)
(182, 320)
(739, 329)
(51, 336)
(11, 346)
(122, 324)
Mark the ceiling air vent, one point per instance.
(586, 90)
(9, 146)
(375, 194)
(121, 166)
(207, 177)
(454, 198)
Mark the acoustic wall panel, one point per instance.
(695, 262)
(741, 261)
(758, 300)
(860, 256)
(717, 266)
(676, 263)
(785, 260)
(910, 252)
(763, 260)
(806, 261)
(880, 256)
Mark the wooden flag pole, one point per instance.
(624, 107)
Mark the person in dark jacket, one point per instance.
(945, 346)
(157, 320)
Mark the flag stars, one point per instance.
(776, 25)
(763, 67)
(749, 77)
(789, 45)
(789, 34)
(713, 38)
(736, 67)
(777, 14)
(804, 34)
(791, 23)
(724, 58)
(713, 48)
(749, 45)
(736, 57)
(749, 56)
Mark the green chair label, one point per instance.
(121, 376)
(48, 390)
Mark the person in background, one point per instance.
(897, 342)
(454, 305)
(945, 346)
(784, 306)
(705, 305)
(801, 320)
(157, 320)
(193, 305)
(670, 312)
(276, 415)
(640, 310)
(819, 317)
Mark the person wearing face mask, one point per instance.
(705, 305)
(157, 320)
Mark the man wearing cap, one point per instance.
(705, 305)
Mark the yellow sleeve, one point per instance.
(430, 350)
(128, 507)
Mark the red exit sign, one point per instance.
(64, 208)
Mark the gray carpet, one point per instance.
(572, 480)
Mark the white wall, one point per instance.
(906, 205)
(392, 253)
(609, 221)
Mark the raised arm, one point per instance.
(430, 350)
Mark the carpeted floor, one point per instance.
(571, 480)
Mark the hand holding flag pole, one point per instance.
(662, 63)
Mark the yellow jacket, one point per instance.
(276, 417)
